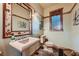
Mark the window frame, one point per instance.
(54, 13)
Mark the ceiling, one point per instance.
(46, 5)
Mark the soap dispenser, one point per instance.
(12, 37)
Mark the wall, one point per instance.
(4, 43)
(61, 38)
(0, 25)
(75, 31)
(37, 8)
(1, 41)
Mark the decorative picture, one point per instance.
(19, 24)
(76, 17)
(15, 22)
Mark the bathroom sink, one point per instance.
(24, 41)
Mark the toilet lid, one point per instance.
(48, 43)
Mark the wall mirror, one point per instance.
(17, 19)
(37, 25)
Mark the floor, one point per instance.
(53, 52)
(44, 52)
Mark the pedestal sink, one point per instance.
(24, 43)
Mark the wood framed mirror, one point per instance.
(17, 19)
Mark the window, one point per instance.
(56, 20)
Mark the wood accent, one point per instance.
(71, 9)
(4, 9)
(46, 17)
(17, 35)
(22, 6)
(19, 16)
(4, 18)
(64, 12)
(11, 16)
(27, 5)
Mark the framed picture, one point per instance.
(76, 17)
(17, 19)
(19, 24)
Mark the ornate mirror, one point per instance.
(16, 19)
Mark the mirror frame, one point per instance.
(7, 16)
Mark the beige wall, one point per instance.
(2, 45)
(37, 8)
(1, 41)
(75, 31)
(61, 38)
(0, 24)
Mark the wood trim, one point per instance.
(57, 12)
(18, 35)
(64, 12)
(19, 16)
(73, 7)
(27, 5)
(20, 31)
(4, 9)
(4, 18)
(30, 7)
(70, 9)
(22, 7)
(11, 17)
(31, 21)
(46, 17)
